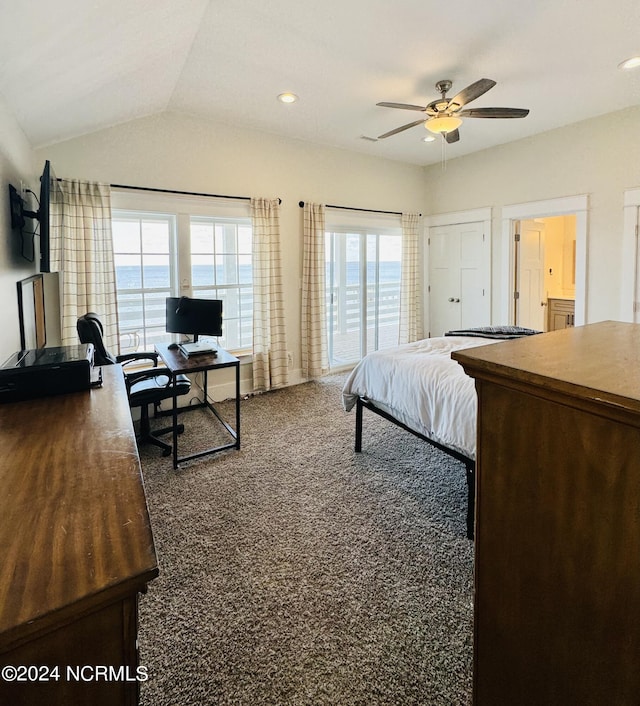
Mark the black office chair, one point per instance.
(144, 387)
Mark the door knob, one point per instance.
(456, 301)
(451, 299)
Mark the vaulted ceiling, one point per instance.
(69, 67)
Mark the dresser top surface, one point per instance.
(597, 361)
(74, 523)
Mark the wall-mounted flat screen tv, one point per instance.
(45, 223)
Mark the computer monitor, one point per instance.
(194, 317)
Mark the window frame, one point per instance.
(239, 285)
(143, 291)
(183, 207)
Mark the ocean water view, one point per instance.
(159, 276)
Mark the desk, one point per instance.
(76, 545)
(177, 363)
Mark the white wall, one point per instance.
(179, 152)
(598, 157)
(172, 151)
(16, 164)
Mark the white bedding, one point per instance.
(422, 387)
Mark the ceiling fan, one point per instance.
(444, 115)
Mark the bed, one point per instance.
(418, 387)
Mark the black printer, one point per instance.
(46, 371)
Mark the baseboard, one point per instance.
(227, 390)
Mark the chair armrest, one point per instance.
(142, 355)
(148, 374)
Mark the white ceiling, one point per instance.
(71, 67)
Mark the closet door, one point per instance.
(458, 278)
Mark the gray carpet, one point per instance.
(297, 572)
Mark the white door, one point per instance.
(636, 293)
(532, 299)
(458, 278)
(444, 311)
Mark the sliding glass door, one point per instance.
(363, 293)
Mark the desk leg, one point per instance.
(237, 366)
(175, 423)
(234, 433)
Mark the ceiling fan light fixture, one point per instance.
(631, 63)
(444, 115)
(442, 124)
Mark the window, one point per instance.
(181, 247)
(221, 269)
(363, 291)
(143, 245)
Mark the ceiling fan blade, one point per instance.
(471, 92)
(452, 136)
(403, 106)
(400, 129)
(493, 113)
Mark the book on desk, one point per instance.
(197, 348)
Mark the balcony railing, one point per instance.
(345, 311)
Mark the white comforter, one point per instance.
(422, 387)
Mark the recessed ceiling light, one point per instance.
(287, 98)
(632, 63)
(429, 138)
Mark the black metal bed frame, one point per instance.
(469, 463)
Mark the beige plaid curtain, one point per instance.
(411, 328)
(269, 341)
(83, 254)
(315, 357)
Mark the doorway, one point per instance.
(576, 206)
(544, 267)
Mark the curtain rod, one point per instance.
(364, 210)
(182, 193)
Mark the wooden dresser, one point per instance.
(557, 577)
(76, 548)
